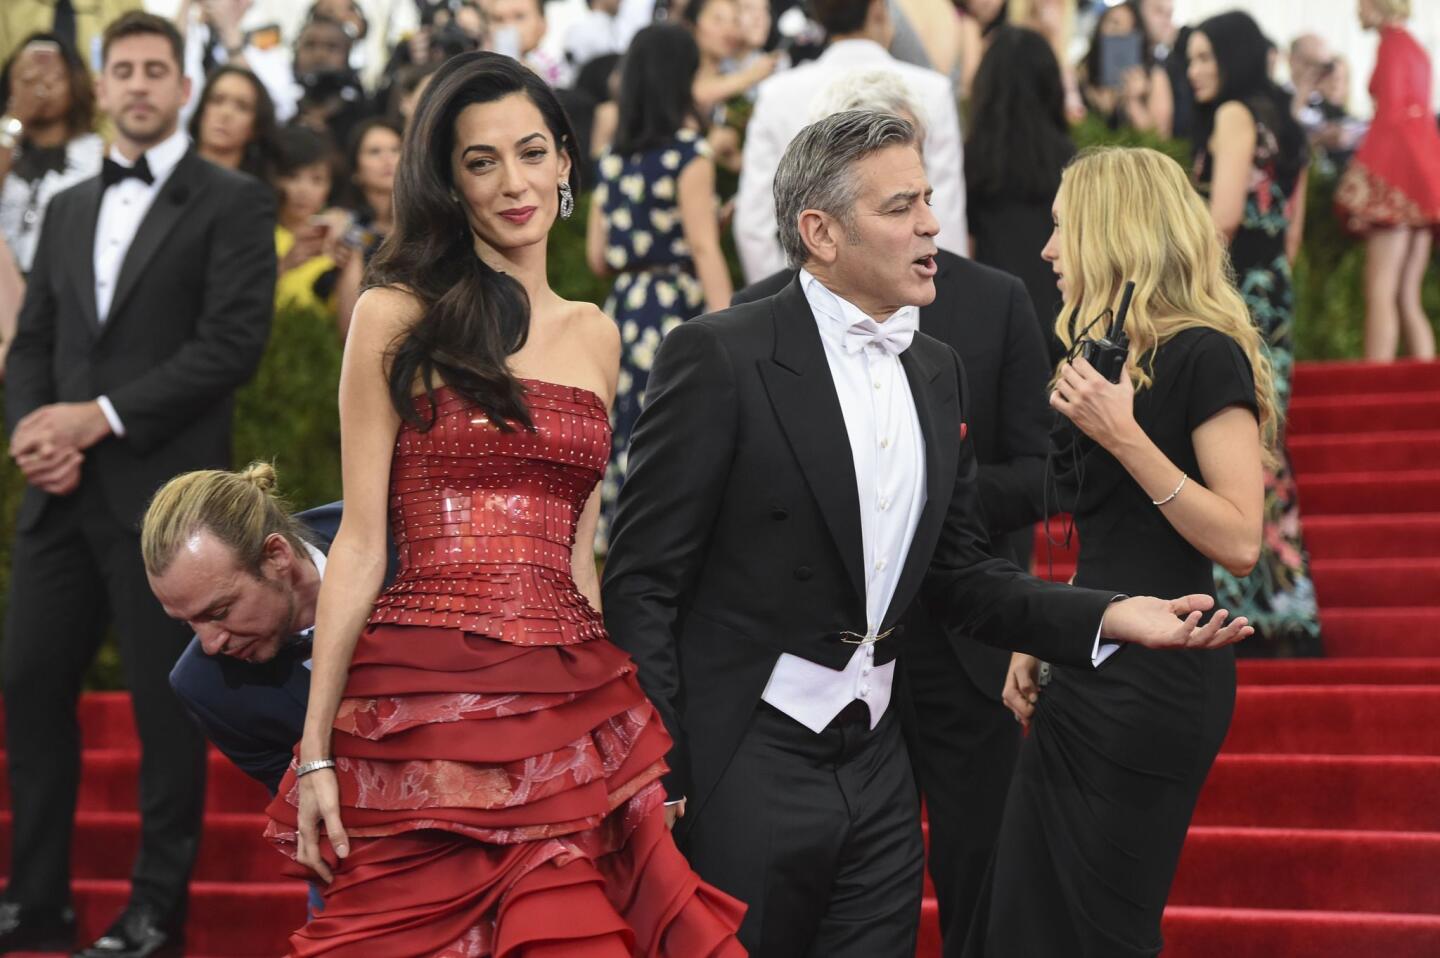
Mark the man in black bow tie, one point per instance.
(801, 474)
(148, 305)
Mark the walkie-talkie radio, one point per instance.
(1108, 355)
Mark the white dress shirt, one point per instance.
(889, 454)
(319, 558)
(782, 110)
(122, 210)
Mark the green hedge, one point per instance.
(288, 413)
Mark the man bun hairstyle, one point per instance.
(241, 509)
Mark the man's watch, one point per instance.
(11, 130)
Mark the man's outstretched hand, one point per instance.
(1171, 623)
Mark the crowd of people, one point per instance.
(813, 481)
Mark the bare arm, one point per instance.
(595, 230)
(347, 291)
(1232, 151)
(1151, 105)
(701, 223)
(713, 90)
(1295, 235)
(12, 294)
(356, 568)
(1220, 512)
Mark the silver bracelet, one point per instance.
(302, 770)
(1178, 486)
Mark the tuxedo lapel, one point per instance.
(88, 211)
(170, 204)
(802, 392)
(935, 408)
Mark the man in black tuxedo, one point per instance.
(963, 740)
(801, 470)
(148, 305)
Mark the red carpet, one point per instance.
(1318, 833)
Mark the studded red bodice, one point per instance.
(484, 521)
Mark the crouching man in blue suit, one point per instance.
(223, 554)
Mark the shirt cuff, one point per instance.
(111, 416)
(1101, 651)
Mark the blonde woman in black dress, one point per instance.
(1163, 473)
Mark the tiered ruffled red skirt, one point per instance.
(502, 800)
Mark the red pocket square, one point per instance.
(964, 431)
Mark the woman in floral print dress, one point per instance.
(653, 225)
(1251, 163)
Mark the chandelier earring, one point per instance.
(567, 201)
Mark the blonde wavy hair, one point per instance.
(1131, 214)
(241, 509)
(1392, 9)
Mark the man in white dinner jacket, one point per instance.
(860, 32)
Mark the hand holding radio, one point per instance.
(1093, 390)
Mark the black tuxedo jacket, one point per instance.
(255, 714)
(986, 316)
(187, 325)
(737, 536)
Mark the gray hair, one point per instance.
(881, 91)
(817, 171)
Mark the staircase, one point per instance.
(1318, 833)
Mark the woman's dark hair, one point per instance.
(1147, 45)
(1019, 141)
(1002, 16)
(81, 116)
(655, 84)
(474, 317)
(692, 10)
(1240, 57)
(260, 152)
(354, 197)
(297, 147)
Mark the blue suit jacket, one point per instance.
(256, 713)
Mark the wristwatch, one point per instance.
(10, 130)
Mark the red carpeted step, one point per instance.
(240, 920)
(1351, 493)
(1381, 671)
(1361, 378)
(1347, 452)
(1382, 536)
(232, 849)
(1336, 720)
(1272, 933)
(1380, 792)
(1394, 412)
(1324, 869)
(1375, 582)
(1407, 632)
(110, 781)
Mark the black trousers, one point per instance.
(77, 571)
(964, 745)
(819, 835)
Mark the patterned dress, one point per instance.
(1278, 597)
(656, 289)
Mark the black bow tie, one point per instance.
(112, 172)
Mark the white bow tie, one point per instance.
(894, 335)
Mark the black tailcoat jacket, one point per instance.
(737, 536)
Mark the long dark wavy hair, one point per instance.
(80, 118)
(656, 77)
(1019, 139)
(1241, 56)
(263, 150)
(474, 317)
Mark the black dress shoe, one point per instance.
(30, 928)
(139, 932)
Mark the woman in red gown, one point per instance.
(495, 782)
(1391, 191)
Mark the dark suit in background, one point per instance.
(738, 539)
(963, 741)
(187, 325)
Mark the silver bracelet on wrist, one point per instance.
(302, 770)
(1178, 486)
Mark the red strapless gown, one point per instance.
(498, 763)
(1394, 179)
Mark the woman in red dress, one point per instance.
(481, 757)
(1391, 191)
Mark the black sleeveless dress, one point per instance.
(1108, 777)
